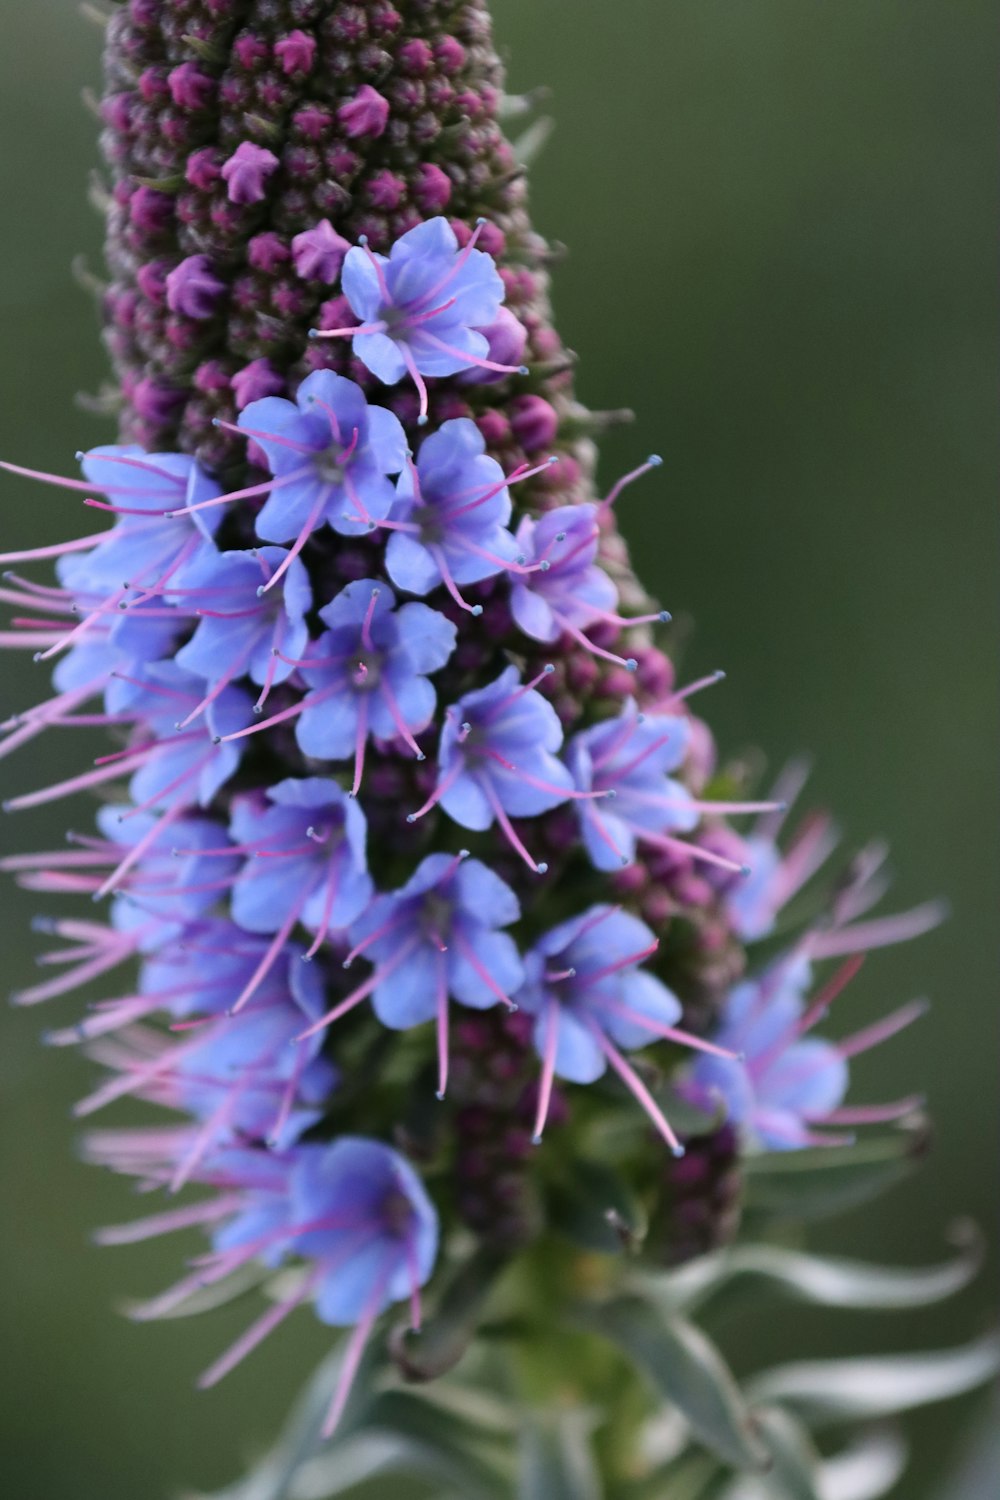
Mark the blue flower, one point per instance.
(354, 1211)
(308, 865)
(152, 539)
(437, 938)
(449, 520)
(242, 625)
(367, 674)
(330, 455)
(182, 767)
(590, 998)
(782, 1083)
(631, 757)
(497, 759)
(563, 589)
(422, 306)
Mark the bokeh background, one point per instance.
(778, 219)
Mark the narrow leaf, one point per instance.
(839, 1389)
(816, 1183)
(827, 1281)
(687, 1370)
(868, 1469)
(557, 1461)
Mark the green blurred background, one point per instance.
(778, 217)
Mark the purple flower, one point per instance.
(437, 938)
(784, 1083)
(630, 757)
(193, 289)
(172, 768)
(590, 998)
(449, 521)
(158, 528)
(563, 590)
(246, 172)
(245, 627)
(367, 674)
(306, 863)
(330, 455)
(246, 1076)
(318, 253)
(422, 307)
(497, 759)
(354, 1210)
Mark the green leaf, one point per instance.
(687, 1370)
(793, 1475)
(529, 143)
(592, 1205)
(815, 1183)
(557, 1460)
(844, 1389)
(826, 1281)
(867, 1469)
(273, 1476)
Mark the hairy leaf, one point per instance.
(687, 1370)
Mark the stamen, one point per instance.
(636, 1086)
(553, 1015)
(653, 462)
(881, 1031)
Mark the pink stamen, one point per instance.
(669, 1033)
(418, 380)
(506, 827)
(696, 687)
(881, 1031)
(361, 993)
(653, 462)
(442, 789)
(271, 956)
(442, 1025)
(257, 1332)
(58, 549)
(75, 784)
(309, 525)
(138, 850)
(553, 1015)
(882, 932)
(873, 1114)
(472, 359)
(636, 1086)
(167, 1223)
(691, 851)
(352, 1356)
(360, 744)
(594, 976)
(266, 437)
(479, 969)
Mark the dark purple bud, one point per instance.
(257, 379)
(431, 188)
(246, 172)
(366, 114)
(267, 251)
(296, 52)
(318, 253)
(190, 87)
(534, 422)
(193, 289)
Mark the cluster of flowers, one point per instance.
(220, 858)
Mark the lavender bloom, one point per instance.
(247, 171)
(437, 938)
(449, 521)
(149, 544)
(422, 307)
(367, 674)
(497, 759)
(306, 864)
(590, 998)
(244, 628)
(246, 1076)
(783, 1083)
(354, 1211)
(330, 455)
(172, 767)
(193, 289)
